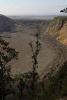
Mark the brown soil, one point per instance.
(50, 55)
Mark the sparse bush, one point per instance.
(6, 55)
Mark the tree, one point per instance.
(21, 86)
(35, 53)
(6, 55)
(32, 76)
(64, 10)
(30, 79)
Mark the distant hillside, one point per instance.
(10, 25)
(6, 24)
(58, 28)
(29, 17)
(28, 24)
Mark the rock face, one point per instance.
(58, 29)
(6, 24)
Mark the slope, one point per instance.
(58, 29)
(6, 24)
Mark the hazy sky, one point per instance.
(31, 7)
